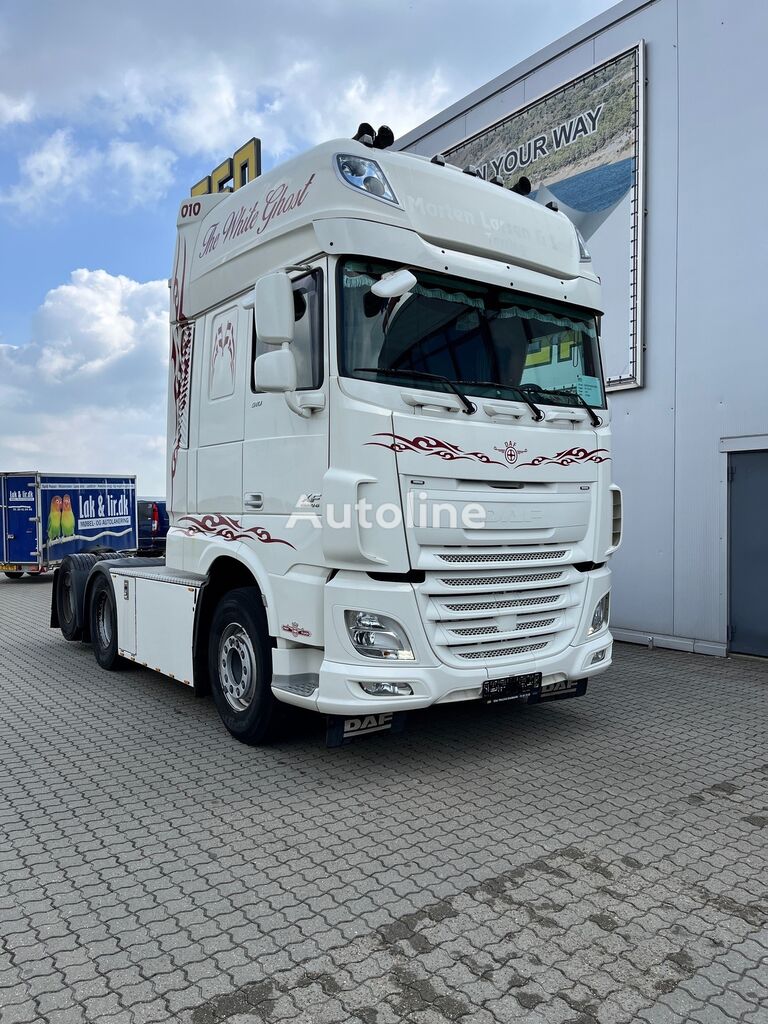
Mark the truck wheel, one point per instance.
(103, 622)
(14, 575)
(66, 602)
(240, 667)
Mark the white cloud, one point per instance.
(138, 174)
(49, 174)
(14, 109)
(59, 169)
(89, 393)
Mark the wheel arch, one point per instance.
(99, 569)
(224, 574)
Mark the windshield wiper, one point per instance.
(469, 408)
(596, 421)
(537, 413)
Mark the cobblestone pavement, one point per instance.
(600, 859)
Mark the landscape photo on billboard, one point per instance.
(579, 147)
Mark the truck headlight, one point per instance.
(377, 636)
(600, 615)
(365, 174)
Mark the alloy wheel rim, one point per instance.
(237, 667)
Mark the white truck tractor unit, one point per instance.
(388, 461)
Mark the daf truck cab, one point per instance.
(388, 460)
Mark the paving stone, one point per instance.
(600, 860)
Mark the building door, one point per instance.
(748, 552)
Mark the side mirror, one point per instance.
(275, 372)
(395, 285)
(274, 310)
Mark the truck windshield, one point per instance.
(491, 342)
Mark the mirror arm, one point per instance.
(303, 404)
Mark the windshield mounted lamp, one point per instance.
(600, 615)
(378, 636)
(366, 176)
(584, 256)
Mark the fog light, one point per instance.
(378, 636)
(599, 616)
(383, 689)
(599, 656)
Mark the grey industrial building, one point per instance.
(685, 299)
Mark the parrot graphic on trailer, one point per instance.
(67, 518)
(54, 518)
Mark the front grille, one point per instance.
(503, 556)
(500, 615)
(488, 581)
(500, 652)
(512, 602)
(476, 631)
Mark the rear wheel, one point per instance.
(240, 667)
(103, 623)
(14, 575)
(66, 602)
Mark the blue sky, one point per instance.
(109, 113)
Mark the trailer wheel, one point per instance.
(240, 667)
(66, 602)
(14, 575)
(103, 622)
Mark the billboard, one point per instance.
(581, 147)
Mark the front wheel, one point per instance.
(240, 667)
(103, 622)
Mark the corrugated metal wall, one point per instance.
(706, 259)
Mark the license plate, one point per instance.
(8, 567)
(495, 691)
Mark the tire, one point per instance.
(67, 598)
(103, 623)
(14, 575)
(240, 667)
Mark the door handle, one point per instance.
(253, 500)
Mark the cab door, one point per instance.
(285, 454)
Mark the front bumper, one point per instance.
(340, 692)
(339, 671)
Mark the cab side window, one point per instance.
(308, 333)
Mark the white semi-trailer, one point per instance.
(388, 452)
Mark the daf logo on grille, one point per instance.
(513, 515)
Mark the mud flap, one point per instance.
(560, 691)
(343, 729)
